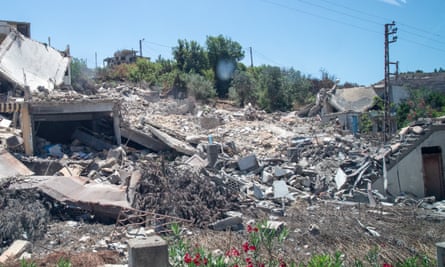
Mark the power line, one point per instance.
(319, 16)
(266, 58)
(426, 34)
(355, 17)
(339, 12)
(158, 44)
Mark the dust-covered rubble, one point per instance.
(217, 162)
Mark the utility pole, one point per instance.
(140, 46)
(95, 58)
(390, 31)
(251, 57)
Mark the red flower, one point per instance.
(246, 246)
(262, 265)
(387, 265)
(233, 252)
(252, 247)
(197, 259)
(187, 258)
(248, 260)
(251, 229)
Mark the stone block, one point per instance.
(15, 250)
(14, 141)
(226, 223)
(212, 154)
(248, 163)
(148, 252)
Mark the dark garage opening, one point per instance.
(61, 132)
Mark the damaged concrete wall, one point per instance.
(410, 171)
(26, 62)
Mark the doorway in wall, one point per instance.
(433, 172)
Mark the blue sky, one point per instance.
(343, 37)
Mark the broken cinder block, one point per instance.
(226, 223)
(248, 163)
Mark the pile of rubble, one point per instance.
(199, 163)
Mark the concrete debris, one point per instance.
(31, 64)
(229, 223)
(194, 162)
(10, 166)
(248, 163)
(17, 248)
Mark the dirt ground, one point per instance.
(400, 232)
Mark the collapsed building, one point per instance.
(30, 70)
(124, 156)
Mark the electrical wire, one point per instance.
(423, 36)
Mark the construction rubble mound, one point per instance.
(203, 164)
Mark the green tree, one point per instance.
(243, 88)
(271, 95)
(79, 73)
(223, 55)
(145, 70)
(422, 103)
(296, 88)
(190, 57)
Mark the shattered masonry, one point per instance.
(122, 152)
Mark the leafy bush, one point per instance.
(199, 87)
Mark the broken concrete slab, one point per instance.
(72, 170)
(417, 130)
(229, 223)
(28, 63)
(196, 161)
(11, 167)
(172, 142)
(280, 189)
(144, 139)
(103, 200)
(340, 178)
(90, 140)
(17, 248)
(248, 163)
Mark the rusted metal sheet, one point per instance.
(11, 167)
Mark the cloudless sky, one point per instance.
(343, 37)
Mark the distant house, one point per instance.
(346, 105)
(121, 57)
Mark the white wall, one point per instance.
(409, 171)
(30, 63)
